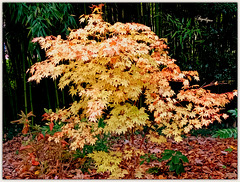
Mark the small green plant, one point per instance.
(148, 158)
(56, 128)
(224, 167)
(233, 112)
(24, 120)
(100, 145)
(226, 133)
(228, 150)
(176, 160)
(153, 170)
(202, 132)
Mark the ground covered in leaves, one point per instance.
(208, 159)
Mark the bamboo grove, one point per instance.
(209, 47)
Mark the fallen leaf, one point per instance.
(198, 161)
(25, 147)
(234, 165)
(206, 169)
(233, 147)
(161, 177)
(224, 152)
(64, 143)
(40, 136)
(37, 173)
(156, 150)
(8, 177)
(231, 175)
(35, 163)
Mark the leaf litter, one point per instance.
(207, 160)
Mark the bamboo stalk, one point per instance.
(161, 21)
(9, 90)
(63, 98)
(30, 91)
(157, 18)
(24, 79)
(56, 93)
(105, 13)
(85, 8)
(48, 98)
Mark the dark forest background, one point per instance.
(210, 47)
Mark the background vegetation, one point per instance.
(208, 47)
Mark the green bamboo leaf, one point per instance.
(189, 23)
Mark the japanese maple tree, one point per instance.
(113, 69)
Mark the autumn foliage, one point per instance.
(122, 73)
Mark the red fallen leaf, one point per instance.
(64, 143)
(7, 177)
(31, 155)
(47, 136)
(35, 163)
(25, 147)
(51, 126)
(40, 136)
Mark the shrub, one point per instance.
(226, 133)
(176, 160)
(122, 73)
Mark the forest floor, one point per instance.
(207, 160)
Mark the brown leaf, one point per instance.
(224, 152)
(25, 147)
(231, 175)
(198, 161)
(206, 169)
(8, 177)
(234, 165)
(156, 150)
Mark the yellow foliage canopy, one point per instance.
(110, 67)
